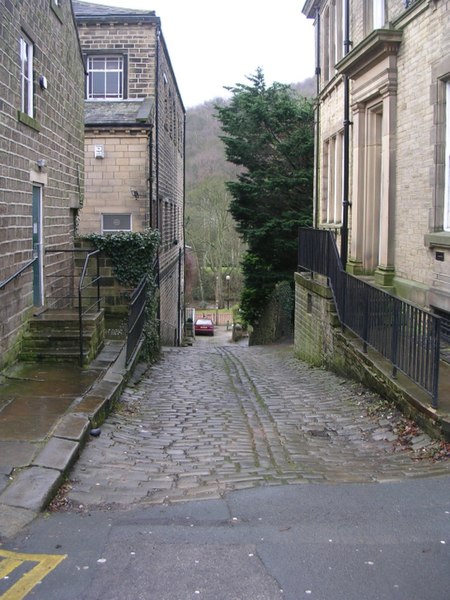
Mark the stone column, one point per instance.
(384, 273)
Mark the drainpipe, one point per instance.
(157, 219)
(180, 327)
(182, 308)
(317, 123)
(157, 76)
(346, 149)
(150, 177)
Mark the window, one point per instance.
(114, 223)
(333, 32)
(378, 13)
(332, 182)
(374, 15)
(26, 76)
(169, 221)
(447, 159)
(105, 79)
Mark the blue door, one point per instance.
(38, 267)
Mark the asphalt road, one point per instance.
(327, 542)
(236, 473)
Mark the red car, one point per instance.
(204, 327)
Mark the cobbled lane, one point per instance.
(209, 419)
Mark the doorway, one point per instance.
(373, 187)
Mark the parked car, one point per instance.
(204, 327)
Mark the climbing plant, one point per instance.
(132, 253)
(133, 256)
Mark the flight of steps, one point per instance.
(54, 336)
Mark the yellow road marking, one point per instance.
(12, 560)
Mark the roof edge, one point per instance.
(310, 8)
(148, 18)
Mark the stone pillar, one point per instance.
(384, 273)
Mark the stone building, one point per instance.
(386, 189)
(134, 141)
(382, 194)
(41, 157)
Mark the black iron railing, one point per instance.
(136, 317)
(19, 272)
(88, 281)
(406, 335)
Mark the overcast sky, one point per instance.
(217, 43)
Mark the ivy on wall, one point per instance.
(132, 253)
(133, 256)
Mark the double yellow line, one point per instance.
(10, 561)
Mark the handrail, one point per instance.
(28, 264)
(406, 335)
(81, 287)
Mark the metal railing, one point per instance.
(85, 282)
(136, 317)
(26, 266)
(406, 335)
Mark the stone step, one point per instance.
(68, 355)
(63, 321)
(54, 342)
(54, 336)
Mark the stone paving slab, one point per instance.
(72, 427)
(208, 419)
(12, 519)
(57, 454)
(32, 489)
(16, 453)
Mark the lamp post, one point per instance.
(227, 277)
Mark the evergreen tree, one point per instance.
(268, 131)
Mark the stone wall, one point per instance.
(136, 41)
(320, 341)
(116, 296)
(128, 165)
(170, 194)
(405, 82)
(53, 135)
(315, 318)
(276, 322)
(110, 180)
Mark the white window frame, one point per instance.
(26, 75)
(447, 159)
(332, 186)
(119, 71)
(378, 14)
(116, 215)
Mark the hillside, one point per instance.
(204, 151)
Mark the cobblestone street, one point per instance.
(208, 419)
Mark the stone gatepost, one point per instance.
(315, 320)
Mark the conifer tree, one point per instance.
(268, 131)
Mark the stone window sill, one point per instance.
(440, 239)
(27, 120)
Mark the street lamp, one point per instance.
(227, 277)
